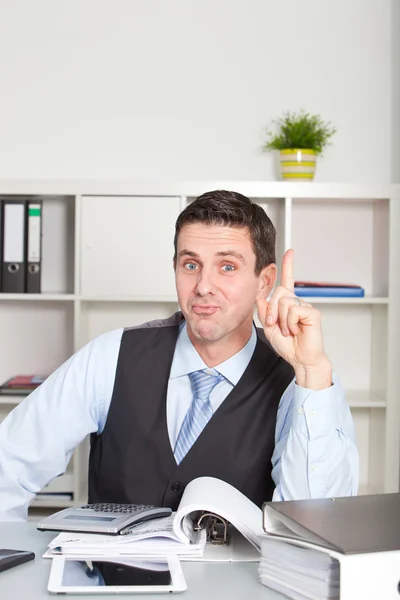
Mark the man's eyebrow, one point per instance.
(187, 253)
(237, 255)
(232, 253)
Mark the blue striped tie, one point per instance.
(199, 413)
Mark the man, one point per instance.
(201, 393)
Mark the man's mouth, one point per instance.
(204, 309)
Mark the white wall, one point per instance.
(178, 89)
(395, 91)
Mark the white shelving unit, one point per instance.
(107, 263)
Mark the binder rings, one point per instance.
(34, 247)
(215, 526)
(13, 246)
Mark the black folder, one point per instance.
(350, 525)
(33, 246)
(13, 222)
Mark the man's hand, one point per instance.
(293, 327)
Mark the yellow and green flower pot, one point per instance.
(297, 164)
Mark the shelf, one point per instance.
(355, 399)
(43, 297)
(11, 399)
(253, 189)
(365, 399)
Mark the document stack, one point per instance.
(297, 572)
(185, 533)
(332, 548)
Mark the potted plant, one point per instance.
(300, 138)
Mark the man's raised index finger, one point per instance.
(287, 275)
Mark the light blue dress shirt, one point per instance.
(315, 451)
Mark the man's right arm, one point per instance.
(38, 437)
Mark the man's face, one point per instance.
(216, 281)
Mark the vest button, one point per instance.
(176, 486)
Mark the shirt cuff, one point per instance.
(315, 412)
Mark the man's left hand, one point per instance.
(293, 327)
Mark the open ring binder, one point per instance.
(216, 526)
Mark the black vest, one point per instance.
(132, 460)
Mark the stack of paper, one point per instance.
(152, 538)
(301, 573)
(178, 534)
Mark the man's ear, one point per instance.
(266, 280)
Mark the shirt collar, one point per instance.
(186, 358)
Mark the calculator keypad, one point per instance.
(116, 508)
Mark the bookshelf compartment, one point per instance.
(39, 336)
(343, 243)
(58, 243)
(354, 340)
(140, 263)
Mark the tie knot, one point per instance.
(203, 383)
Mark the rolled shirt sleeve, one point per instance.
(315, 452)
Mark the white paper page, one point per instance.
(156, 527)
(141, 549)
(329, 586)
(150, 538)
(299, 558)
(213, 495)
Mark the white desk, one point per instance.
(233, 581)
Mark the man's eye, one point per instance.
(190, 266)
(228, 268)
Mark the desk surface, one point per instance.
(204, 580)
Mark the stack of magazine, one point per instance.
(328, 289)
(21, 385)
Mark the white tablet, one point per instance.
(105, 575)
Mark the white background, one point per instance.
(181, 89)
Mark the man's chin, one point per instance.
(206, 331)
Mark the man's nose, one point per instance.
(205, 283)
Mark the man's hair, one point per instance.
(222, 207)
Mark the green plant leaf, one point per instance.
(300, 130)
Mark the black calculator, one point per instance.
(115, 519)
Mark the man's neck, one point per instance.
(215, 353)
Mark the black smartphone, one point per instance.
(11, 558)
